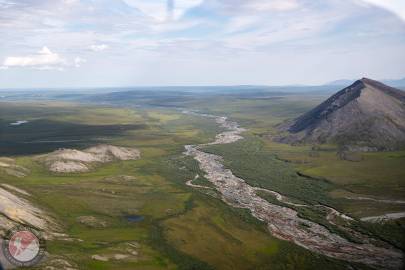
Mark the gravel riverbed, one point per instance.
(284, 222)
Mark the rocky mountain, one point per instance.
(367, 115)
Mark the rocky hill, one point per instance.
(72, 160)
(366, 116)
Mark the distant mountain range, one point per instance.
(392, 83)
(366, 116)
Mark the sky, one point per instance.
(107, 43)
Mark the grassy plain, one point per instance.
(183, 228)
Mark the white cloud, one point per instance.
(79, 61)
(6, 4)
(99, 48)
(241, 23)
(139, 36)
(274, 5)
(44, 58)
(160, 10)
(395, 6)
(70, 2)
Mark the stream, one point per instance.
(283, 222)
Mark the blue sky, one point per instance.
(90, 43)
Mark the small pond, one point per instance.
(134, 218)
(19, 123)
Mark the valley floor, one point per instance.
(180, 226)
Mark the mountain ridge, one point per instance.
(392, 83)
(367, 115)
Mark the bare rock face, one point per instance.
(16, 210)
(67, 166)
(76, 161)
(107, 153)
(366, 116)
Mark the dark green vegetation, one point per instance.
(314, 173)
(184, 227)
(58, 126)
(250, 160)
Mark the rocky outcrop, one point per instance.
(76, 161)
(366, 116)
(15, 210)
